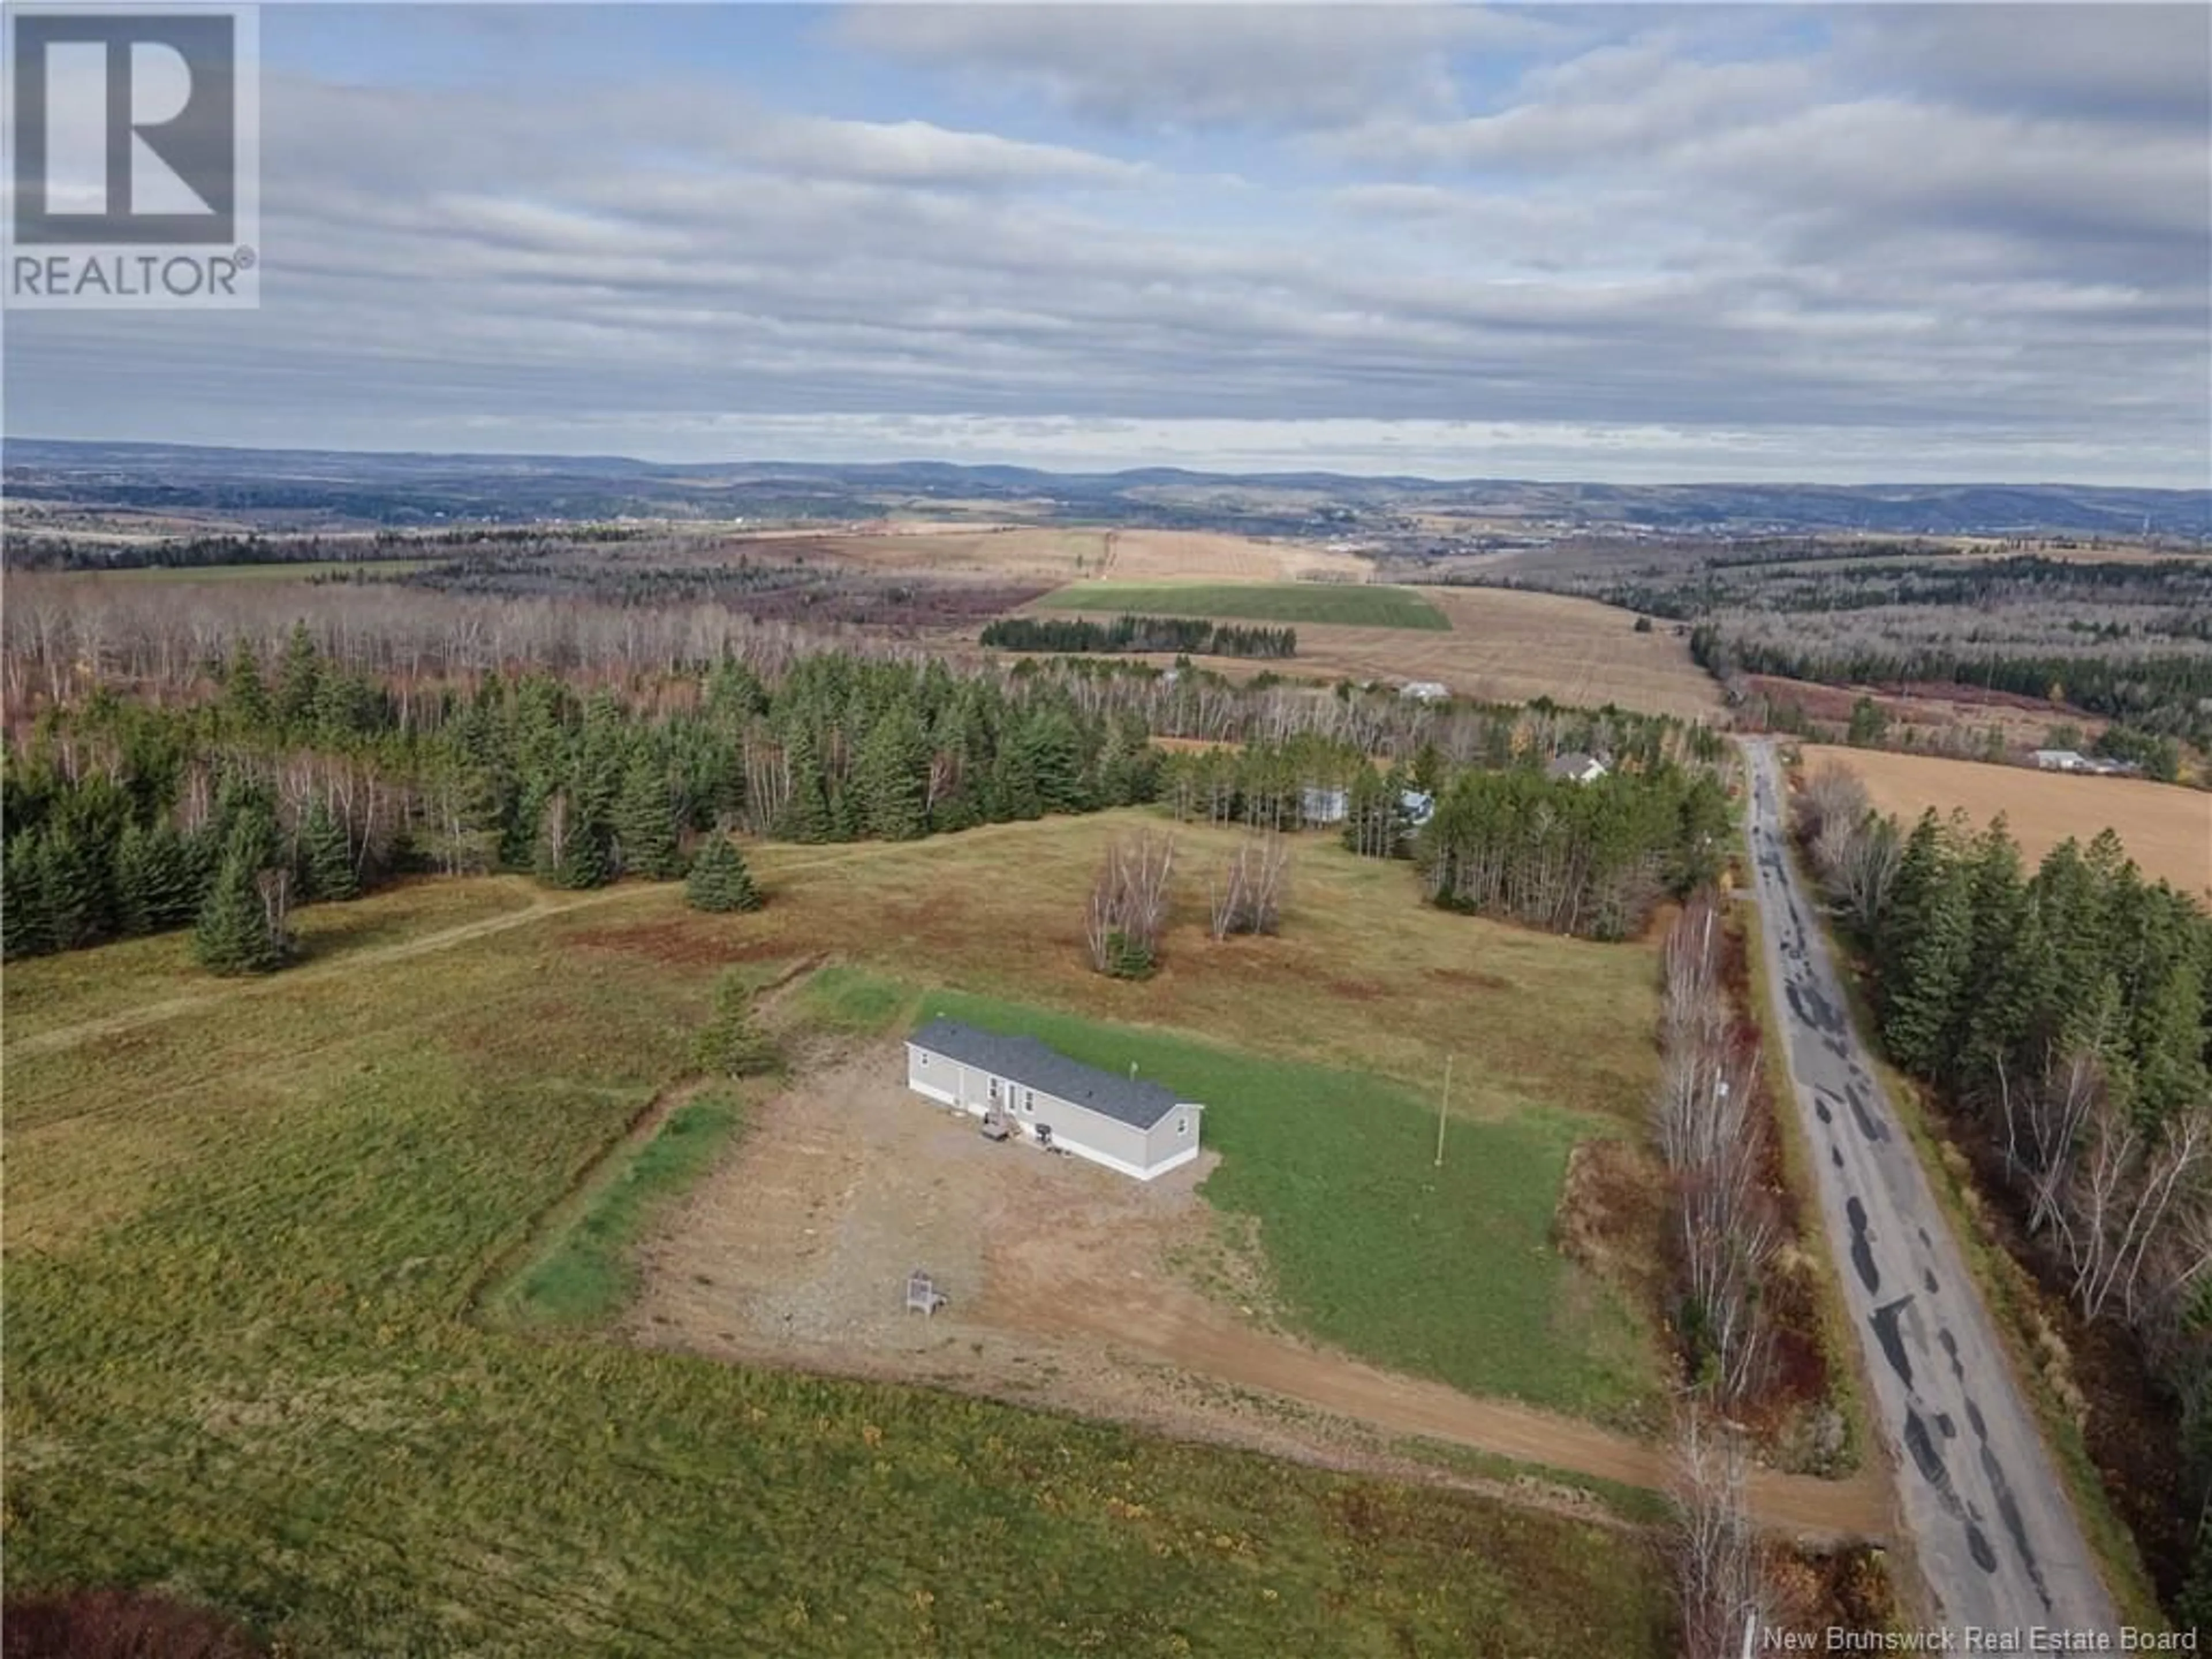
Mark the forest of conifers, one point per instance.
(2067, 1013)
(218, 791)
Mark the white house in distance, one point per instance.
(1576, 769)
(1424, 691)
(1135, 1127)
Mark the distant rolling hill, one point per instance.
(299, 487)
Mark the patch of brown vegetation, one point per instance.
(1473, 979)
(1609, 1211)
(679, 941)
(119, 1624)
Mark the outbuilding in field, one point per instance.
(1137, 1128)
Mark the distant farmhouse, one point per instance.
(1424, 691)
(1137, 1128)
(1577, 768)
(2069, 760)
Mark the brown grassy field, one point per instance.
(2167, 829)
(1506, 645)
(1008, 552)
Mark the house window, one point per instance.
(924, 1060)
(1182, 1124)
(1029, 1102)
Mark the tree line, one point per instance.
(2067, 1013)
(124, 817)
(1188, 635)
(2160, 693)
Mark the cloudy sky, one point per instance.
(1634, 242)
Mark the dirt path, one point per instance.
(149, 1013)
(543, 907)
(793, 1252)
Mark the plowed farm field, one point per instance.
(2167, 829)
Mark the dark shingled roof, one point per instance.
(1029, 1062)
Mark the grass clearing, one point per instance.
(584, 1277)
(1446, 1272)
(1354, 604)
(240, 1245)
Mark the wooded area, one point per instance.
(1187, 635)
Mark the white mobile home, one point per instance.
(1137, 1128)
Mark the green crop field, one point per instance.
(1446, 1272)
(1355, 605)
(248, 1226)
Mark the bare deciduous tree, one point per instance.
(1720, 1576)
(1128, 908)
(1247, 895)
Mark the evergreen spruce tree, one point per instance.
(1923, 1008)
(326, 856)
(245, 698)
(25, 927)
(233, 935)
(1014, 791)
(718, 879)
(2002, 989)
(76, 889)
(892, 773)
(806, 814)
(571, 849)
(645, 825)
(297, 682)
(135, 898)
(174, 885)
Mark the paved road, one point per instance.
(1998, 1545)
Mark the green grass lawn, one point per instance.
(240, 1249)
(1355, 604)
(584, 1276)
(1447, 1272)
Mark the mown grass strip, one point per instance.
(1354, 604)
(584, 1276)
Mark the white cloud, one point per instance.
(1742, 256)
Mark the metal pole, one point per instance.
(1443, 1101)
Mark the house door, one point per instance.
(995, 1094)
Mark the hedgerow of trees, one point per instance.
(1130, 633)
